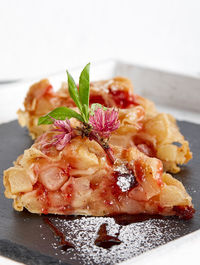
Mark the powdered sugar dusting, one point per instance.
(136, 238)
(124, 182)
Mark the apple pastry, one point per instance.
(156, 134)
(103, 158)
(80, 180)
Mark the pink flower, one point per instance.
(60, 140)
(104, 121)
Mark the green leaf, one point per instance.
(84, 86)
(96, 106)
(60, 113)
(73, 91)
(86, 112)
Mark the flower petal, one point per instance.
(62, 126)
(63, 141)
(104, 121)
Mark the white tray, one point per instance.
(172, 92)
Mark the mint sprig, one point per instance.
(60, 113)
(97, 122)
(80, 98)
(84, 90)
(73, 91)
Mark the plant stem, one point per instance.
(106, 148)
(86, 132)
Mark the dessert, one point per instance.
(80, 180)
(96, 159)
(152, 132)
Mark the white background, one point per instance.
(41, 37)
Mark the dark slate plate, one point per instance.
(27, 238)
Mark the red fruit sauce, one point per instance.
(147, 150)
(97, 99)
(63, 242)
(104, 240)
(123, 99)
(139, 170)
(184, 212)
